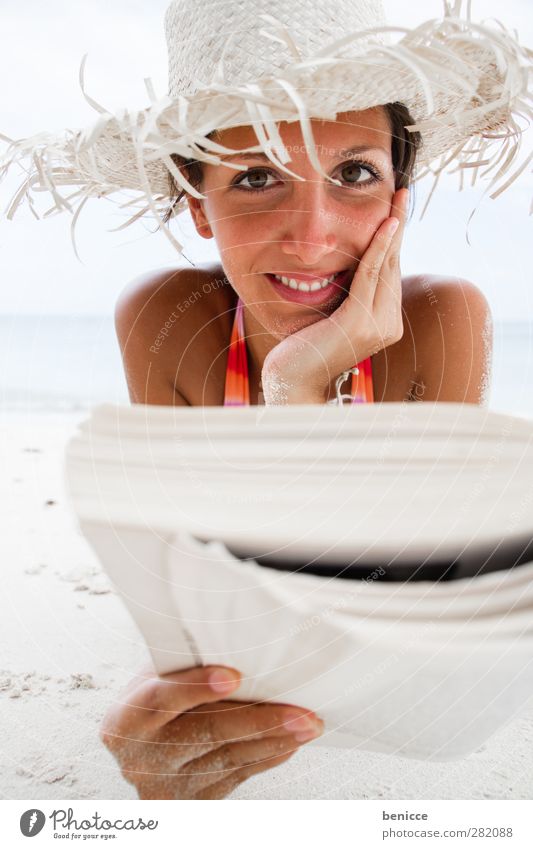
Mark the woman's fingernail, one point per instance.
(304, 736)
(300, 724)
(395, 223)
(223, 681)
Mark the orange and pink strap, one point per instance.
(237, 390)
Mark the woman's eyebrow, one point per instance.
(359, 148)
(363, 148)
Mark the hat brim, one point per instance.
(467, 87)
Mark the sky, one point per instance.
(41, 46)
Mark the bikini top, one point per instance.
(237, 390)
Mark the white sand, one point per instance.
(69, 646)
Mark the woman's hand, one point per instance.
(174, 739)
(302, 367)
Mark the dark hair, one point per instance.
(404, 148)
(404, 145)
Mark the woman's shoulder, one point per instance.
(451, 304)
(171, 324)
(150, 295)
(448, 330)
(445, 345)
(156, 300)
(428, 288)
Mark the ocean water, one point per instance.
(68, 363)
(59, 363)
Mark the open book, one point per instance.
(373, 563)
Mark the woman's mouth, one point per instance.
(311, 290)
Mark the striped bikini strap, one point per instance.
(237, 389)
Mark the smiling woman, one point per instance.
(293, 269)
(385, 154)
(363, 173)
(313, 281)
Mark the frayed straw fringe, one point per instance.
(466, 85)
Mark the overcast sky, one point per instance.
(41, 45)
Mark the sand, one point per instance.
(69, 646)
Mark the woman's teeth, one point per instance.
(312, 286)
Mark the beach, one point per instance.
(69, 646)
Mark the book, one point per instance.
(373, 563)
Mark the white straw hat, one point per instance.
(258, 62)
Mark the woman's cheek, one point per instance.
(362, 229)
(234, 230)
(235, 261)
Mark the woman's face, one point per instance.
(267, 223)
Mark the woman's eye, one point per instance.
(354, 173)
(257, 179)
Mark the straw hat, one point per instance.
(258, 62)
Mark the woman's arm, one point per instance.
(451, 328)
(145, 331)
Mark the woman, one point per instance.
(436, 347)
(427, 337)
(328, 94)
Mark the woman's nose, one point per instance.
(308, 229)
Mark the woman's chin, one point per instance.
(307, 315)
(282, 324)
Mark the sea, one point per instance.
(70, 363)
